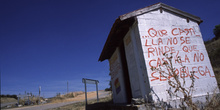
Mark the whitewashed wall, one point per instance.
(167, 32)
(117, 79)
(134, 71)
(136, 64)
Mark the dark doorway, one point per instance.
(125, 72)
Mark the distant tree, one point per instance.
(110, 88)
(3, 95)
(216, 31)
(9, 96)
(58, 94)
(14, 96)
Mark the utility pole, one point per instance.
(28, 98)
(39, 94)
(67, 87)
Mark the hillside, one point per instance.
(7, 100)
(213, 49)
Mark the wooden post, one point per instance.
(90, 81)
(85, 92)
(97, 91)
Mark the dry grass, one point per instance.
(79, 97)
(7, 100)
(33, 100)
(213, 103)
(213, 49)
(168, 71)
(217, 75)
(72, 94)
(81, 105)
(177, 84)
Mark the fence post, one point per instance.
(97, 91)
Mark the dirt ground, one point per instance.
(79, 97)
(81, 105)
(58, 102)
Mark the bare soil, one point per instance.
(81, 105)
(79, 97)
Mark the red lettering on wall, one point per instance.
(150, 63)
(160, 33)
(187, 58)
(146, 43)
(203, 73)
(162, 78)
(194, 69)
(185, 40)
(198, 57)
(152, 32)
(153, 42)
(171, 41)
(156, 51)
(179, 31)
(200, 69)
(156, 46)
(154, 77)
(190, 48)
(160, 41)
(157, 62)
(184, 73)
(150, 51)
(174, 32)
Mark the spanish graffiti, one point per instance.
(175, 32)
(179, 42)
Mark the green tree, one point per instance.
(216, 31)
(110, 88)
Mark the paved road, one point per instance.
(102, 94)
(6, 104)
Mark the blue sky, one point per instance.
(49, 42)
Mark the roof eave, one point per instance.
(181, 13)
(122, 24)
(161, 6)
(118, 31)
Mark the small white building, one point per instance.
(136, 43)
